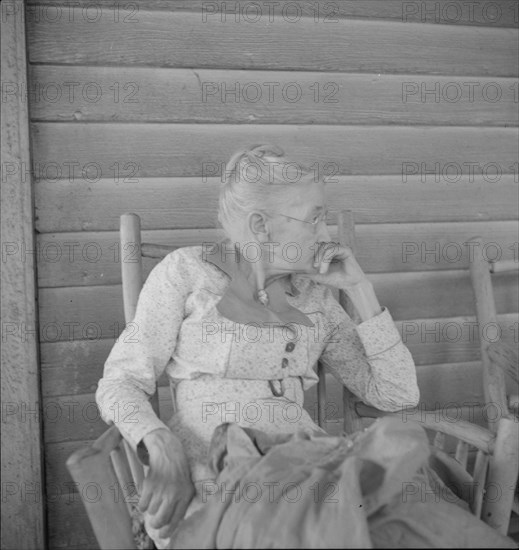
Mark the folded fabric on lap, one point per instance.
(319, 491)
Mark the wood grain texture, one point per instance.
(427, 344)
(441, 386)
(189, 203)
(94, 258)
(57, 475)
(503, 470)
(170, 52)
(165, 150)
(428, 12)
(23, 509)
(75, 367)
(69, 526)
(74, 418)
(82, 313)
(183, 39)
(441, 383)
(73, 428)
(503, 14)
(142, 94)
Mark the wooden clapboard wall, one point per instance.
(120, 123)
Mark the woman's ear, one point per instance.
(258, 226)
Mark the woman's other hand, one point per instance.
(167, 489)
(336, 266)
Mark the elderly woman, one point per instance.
(239, 326)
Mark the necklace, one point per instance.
(261, 295)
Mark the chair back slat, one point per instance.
(494, 386)
(453, 474)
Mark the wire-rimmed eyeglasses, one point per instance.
(318, 218)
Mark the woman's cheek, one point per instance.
(307, 260)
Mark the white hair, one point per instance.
(259, 178)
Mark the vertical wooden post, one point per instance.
(494, 386)
(346, 235)
(23, 501)
(131, 268)
(503, 470)
(131, 273)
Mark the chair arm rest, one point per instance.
(102, 446)
(108, 440)
(108, 516)
(475, 435)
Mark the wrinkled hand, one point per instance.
(336, 266)
(167, 489)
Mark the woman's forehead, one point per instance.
(308, 196)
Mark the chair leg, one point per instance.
(502, 477)
(480, 474)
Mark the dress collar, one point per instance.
(238, 302)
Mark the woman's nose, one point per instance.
(322, 232)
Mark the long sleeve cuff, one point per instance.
(134, 418)
(378, 334)
(135, 432)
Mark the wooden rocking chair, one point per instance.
(496, 465)
(110, 462)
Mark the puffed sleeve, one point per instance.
(143, 350)
(370, 358)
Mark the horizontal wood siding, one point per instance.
(169, 202)
(411, 295)
(223, 96)
(402, 247)
(411, 107)
(183, 39)
(165, 150)
(504, 14)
